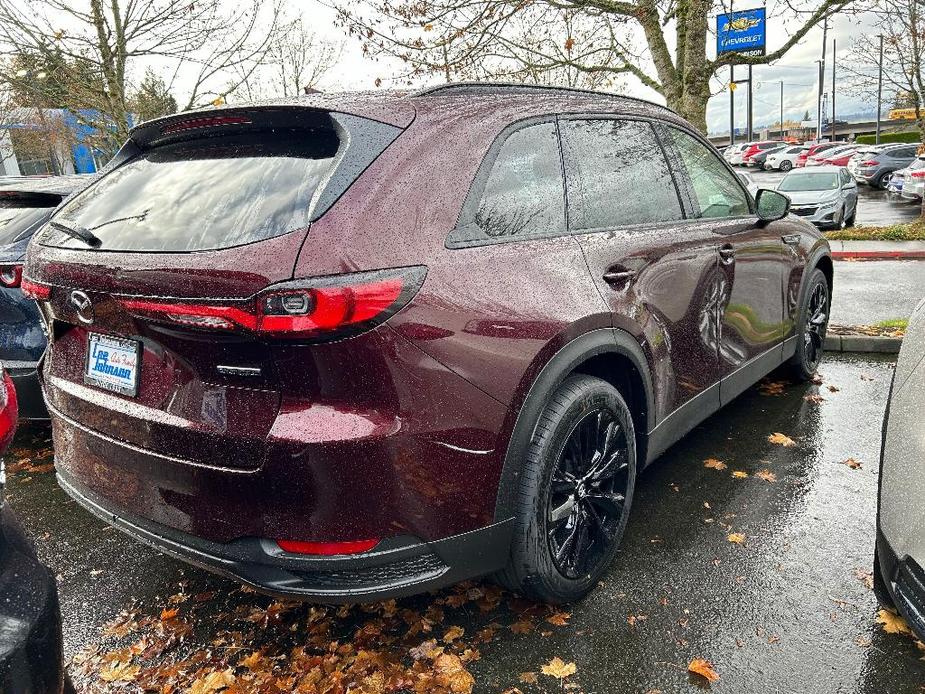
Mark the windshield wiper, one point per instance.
(78, 232)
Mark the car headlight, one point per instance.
(827, 204)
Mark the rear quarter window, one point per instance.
(19, 218)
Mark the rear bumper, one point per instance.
(904, 579)
(30, 620)
(28, 389)
(397, 567)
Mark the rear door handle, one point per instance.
(791, 239)
(618, 276)
(727, 253)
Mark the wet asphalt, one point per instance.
(787, 611)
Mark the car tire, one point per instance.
(849, 221)
(880, 590)
(812, 321)
(883, 180)
(785, 166)
(569, 517)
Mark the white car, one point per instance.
(784, 160)
(738, 152)
(900, 543)
(748, 182)
(913, 184)
(827, 196)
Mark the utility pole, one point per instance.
(833, 90)
(879, 91)
(732, 104)
(781, 109)
(748, 126)
(825, 30)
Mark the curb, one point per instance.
(862, 344)
(878, 255)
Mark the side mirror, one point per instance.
(771, 205)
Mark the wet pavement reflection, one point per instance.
(787, 608)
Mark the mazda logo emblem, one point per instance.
(84, 306)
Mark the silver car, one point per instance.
(899, 580)
(827, 196)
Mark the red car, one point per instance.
(349, 347)
(840, 157)
(815, 150)
(757, 147)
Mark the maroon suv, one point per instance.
(355, 346)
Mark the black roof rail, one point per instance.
(461, 88)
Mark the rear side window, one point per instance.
(18, 217)
(520, 195)
(716, 190)
(203, 194)
(617, 175)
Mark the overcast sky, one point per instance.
(797, 70)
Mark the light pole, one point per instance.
(879, 91)
(781, 109)
(833, 90)
(825, 31)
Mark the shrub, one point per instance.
(912, 136)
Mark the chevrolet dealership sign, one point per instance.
(741, 32)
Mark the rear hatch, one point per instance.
(198, 217)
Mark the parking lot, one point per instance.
(785, 608)
(875, 207)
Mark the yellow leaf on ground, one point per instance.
(559, 669)
(704, 668)
(453, 633)
(169, 614)
(559, 619)
(736, 538)
(893, 623)
(781, 439)
(714, 464)
(739, 474)
(119, 671)
(213, 682)
(852, 463)
(766, 475)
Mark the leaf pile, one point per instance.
(196, 643)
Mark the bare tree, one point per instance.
(560, 40)
(202, 43)
(296, 59)
(902, 25)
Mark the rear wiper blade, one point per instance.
(78, 232)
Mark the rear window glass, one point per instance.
(19, 217)
(203, 194)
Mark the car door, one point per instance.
(751, 320)
(656, 270)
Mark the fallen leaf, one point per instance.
(816, 379)
(215, 681)
(559, 619)
(781, 439)
(814, 398)
(714, 464)
(522, 627)
(834, 389)
(119, 671)
(453, 633)
(169, 614)
(893, 623)
(852, 463)
(559, 669)
(739, 474)
(865, 577)
(569, 44)
(737, 538)
(633, 619)
(766, 475)
(528, 677)
(704, 668)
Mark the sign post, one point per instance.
(741, 32)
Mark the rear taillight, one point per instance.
(326, 549)
(10, 276)
(321, 308)
(9, 411)
(35, 290)
(869, 162)
(918, 174)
